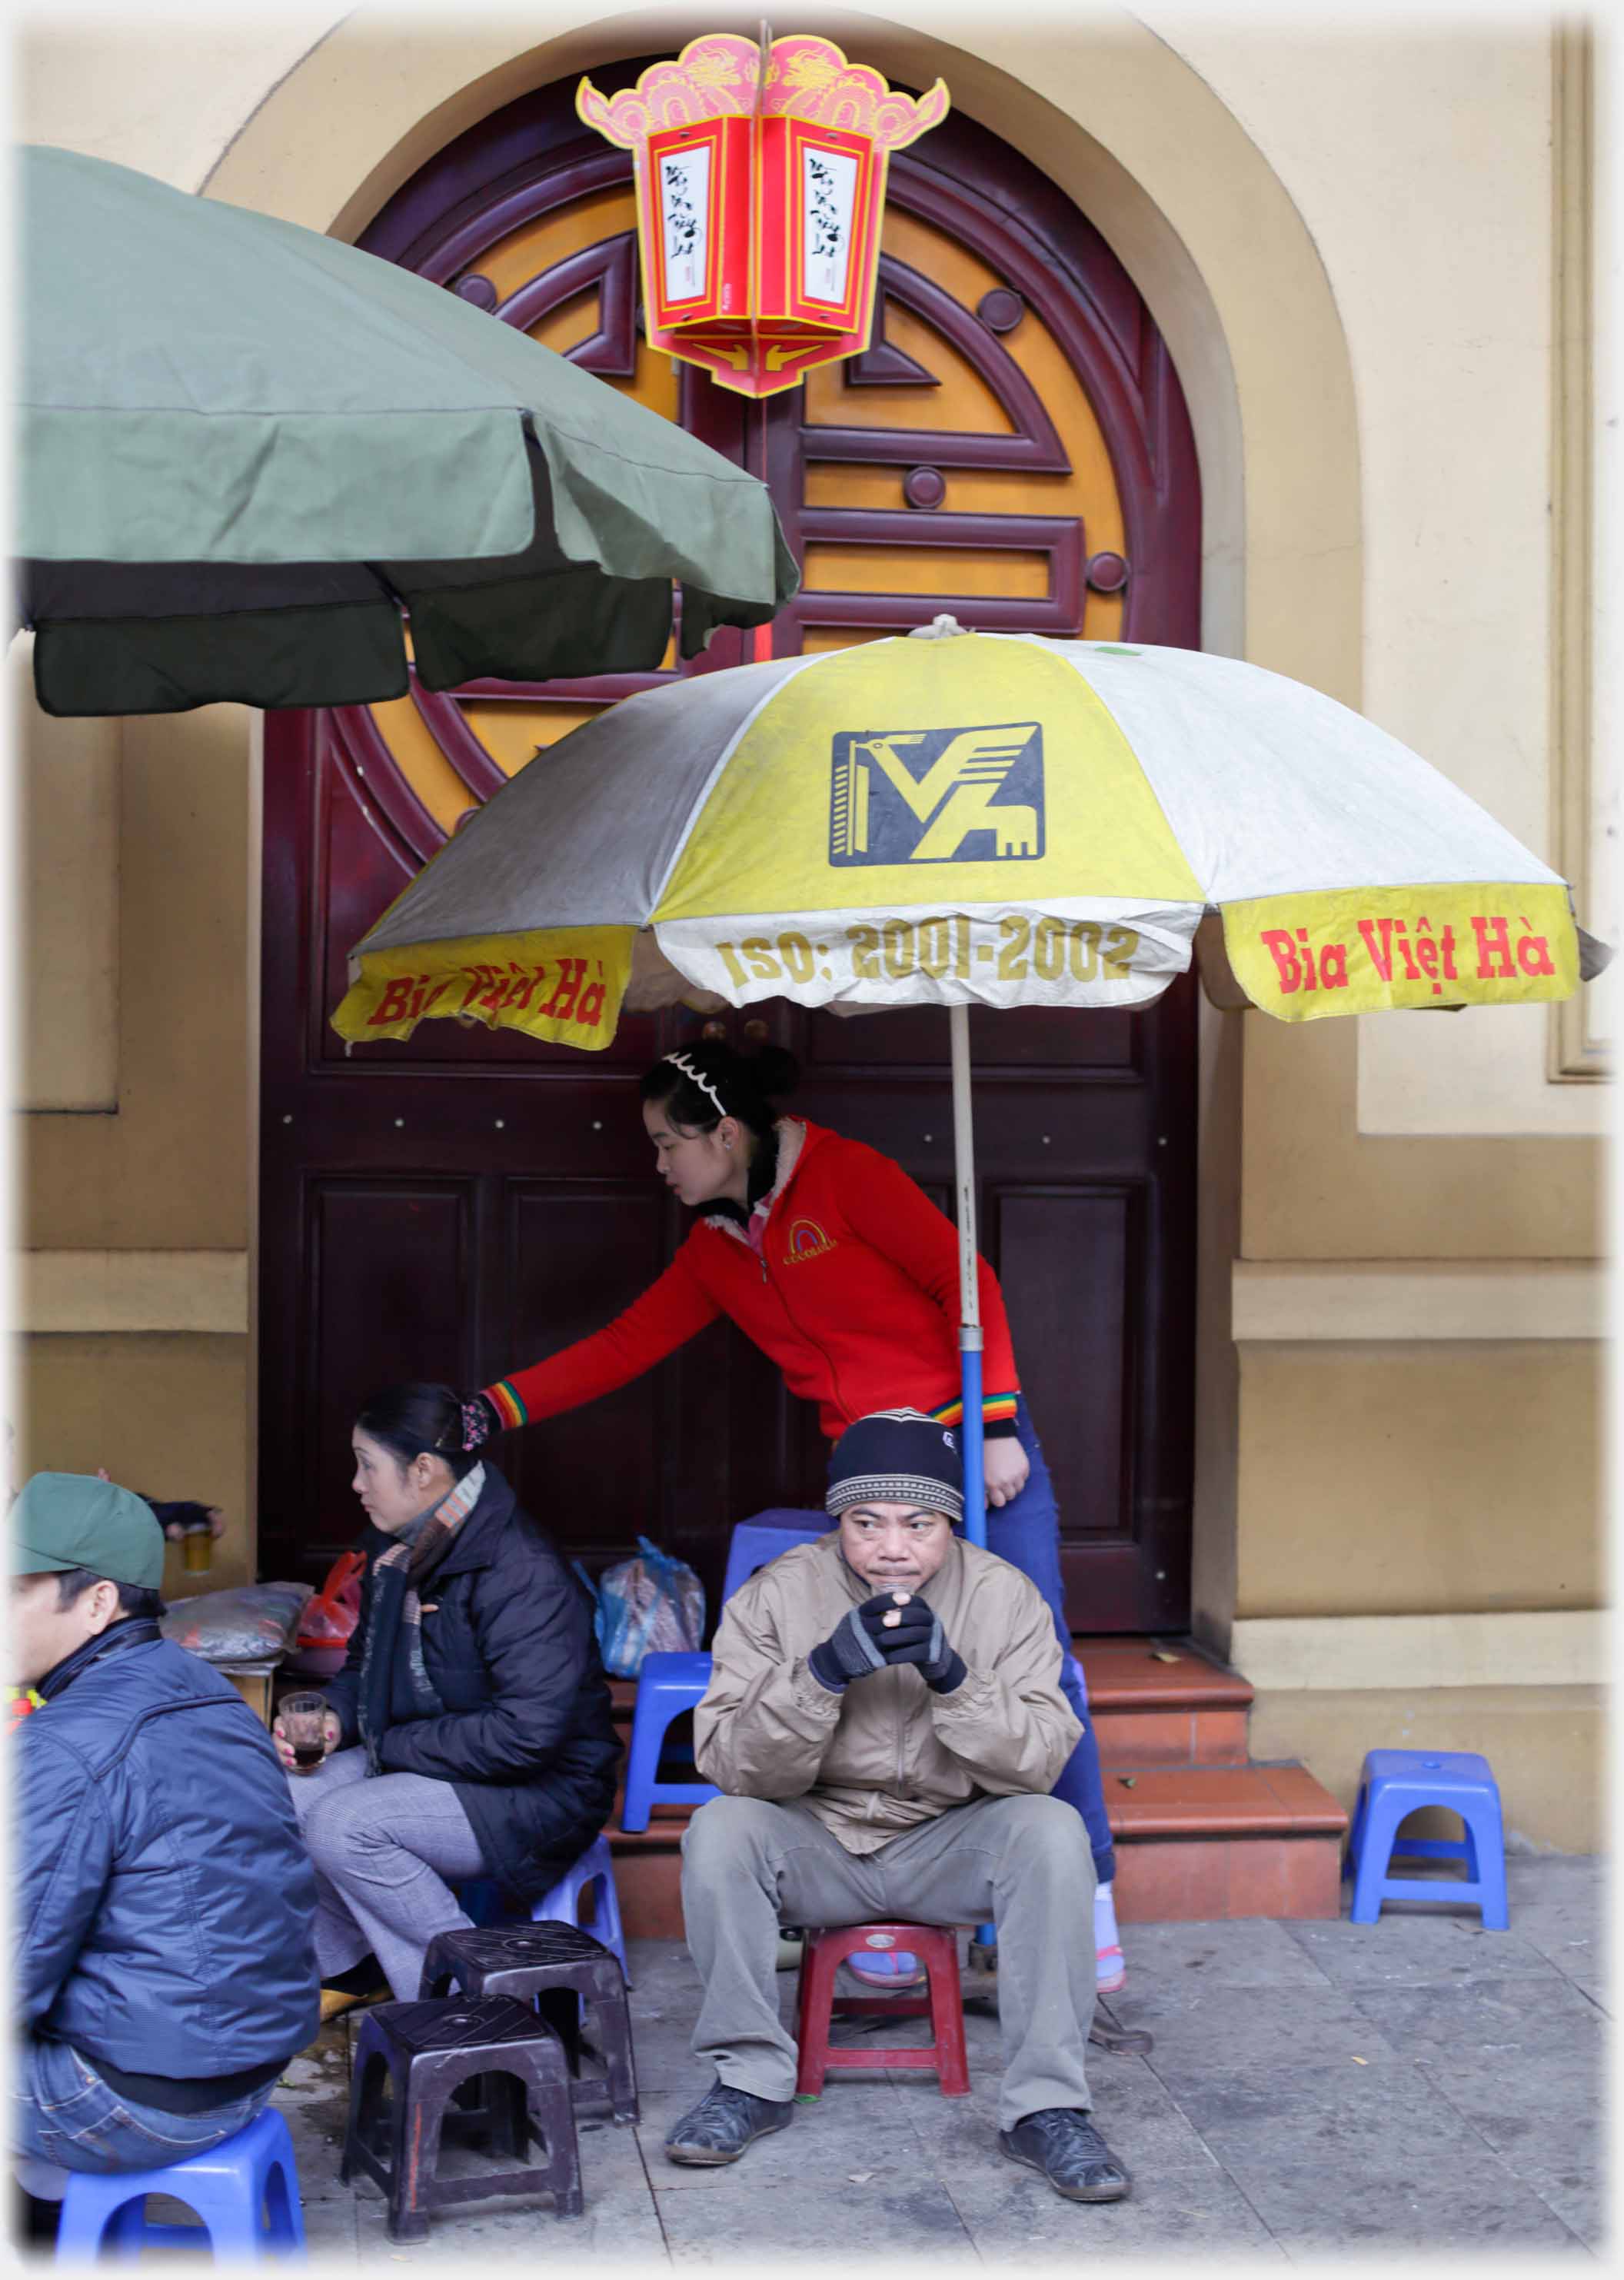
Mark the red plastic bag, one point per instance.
(332, 1615)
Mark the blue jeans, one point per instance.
(62, 2111)
(1026, 1533)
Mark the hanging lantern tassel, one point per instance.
(760, 174)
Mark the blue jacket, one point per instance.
(164, 1918)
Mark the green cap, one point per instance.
(72, 1520)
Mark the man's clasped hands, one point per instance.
(891, 1627)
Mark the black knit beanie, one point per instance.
(898, 1456)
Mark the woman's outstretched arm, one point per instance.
(670, 1312)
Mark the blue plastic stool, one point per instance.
(756, 1542)
(562, 1905)
(246, 2190)
(1397, 1782)
(668, 1684)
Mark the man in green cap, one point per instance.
(164, 1968)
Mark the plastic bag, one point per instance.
(328, 1621)
(255, 1624)
(333, 1613)
(651, 1604)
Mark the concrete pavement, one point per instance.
(1417, 2084)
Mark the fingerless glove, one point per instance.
(918, 1638)
(851, 1649)
(864, 1641)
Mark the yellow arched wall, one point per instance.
(1326, 1487)
(1217, 222)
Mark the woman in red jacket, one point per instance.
(830, 1257)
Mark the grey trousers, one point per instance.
(1022, 1862)
(382, 1851)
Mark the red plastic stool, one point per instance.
(821, 1957)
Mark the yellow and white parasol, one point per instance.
(966, 818)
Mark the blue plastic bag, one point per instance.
(651, 1604)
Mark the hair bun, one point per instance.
(475, 1421)
(416, 1418)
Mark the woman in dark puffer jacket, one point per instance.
(469, 1732)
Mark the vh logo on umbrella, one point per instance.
(938, 795)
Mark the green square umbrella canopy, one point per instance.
(244, 449)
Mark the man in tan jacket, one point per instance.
(885, 1718)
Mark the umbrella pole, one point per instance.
(969, 1307)
(969, 1289)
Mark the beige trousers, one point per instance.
(1021, 1862)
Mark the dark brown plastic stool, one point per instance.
(428, 2052)
(560, 1967)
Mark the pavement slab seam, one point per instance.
(947, 2187)
(1584, 2169)
(1240, 2187)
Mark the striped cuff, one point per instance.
(997, 1409)
(507, 1404)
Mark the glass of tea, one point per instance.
(303, 1721)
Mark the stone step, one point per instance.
(1194, 1845)
(1163, 1702)
(1199, 1843)
(647, 1873)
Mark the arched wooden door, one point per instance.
(1013, 447)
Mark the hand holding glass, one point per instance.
(309, 1727)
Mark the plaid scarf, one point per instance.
(395, 1680)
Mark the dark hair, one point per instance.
(133, 1599)
(417, 1420)
(747, 1086)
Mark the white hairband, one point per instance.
(698, 1077)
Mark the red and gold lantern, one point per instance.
(760, 171)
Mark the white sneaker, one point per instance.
(1109, 1970)
(890, 1972)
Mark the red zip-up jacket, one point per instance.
(848, 1276)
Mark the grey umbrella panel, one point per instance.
(1287, 779)
(587, 834)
